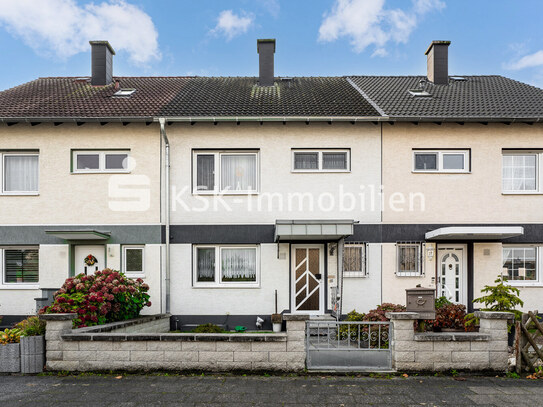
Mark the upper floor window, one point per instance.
(355, 259)
(520, 172)
(19, 173)
(328, 160)
(521, 264)
(99, 161)
(409, 259)
(441, 161)
(226, 266)
(19, 265)
(227, 172)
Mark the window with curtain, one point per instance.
(354, 260)
(409, 260)
(519, 172)
(520, 263)
(320, 160)
(237, 172)
(21, 265)
(226, 266)
(21, 173)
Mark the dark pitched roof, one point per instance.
(238, 97)
(184, 97)
(76, 98)
(477, 97)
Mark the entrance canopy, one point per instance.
(286, 230)
(79, 234)
(475, 233)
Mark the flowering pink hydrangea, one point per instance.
(104, 296)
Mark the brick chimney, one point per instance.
(437, 56)
(266, 49)
(101, 63)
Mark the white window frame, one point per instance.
(538, 172)
(2, 170)
(320, 152)
(17, 286)
(351, 273)
(439, 161)
(134, 273)
(217, 154)
(420, 259)
(538, 265)
(218, 272)
(101, 161)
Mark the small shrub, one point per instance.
(378, 314)
(10, 336)
(450, 316)
(441, 301)
(105, 296)
(32, 326)
(501, 298)
(208, 329)
(353, 329)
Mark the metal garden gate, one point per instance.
(348, 345)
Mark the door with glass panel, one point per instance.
(451, 272)
(307, 279)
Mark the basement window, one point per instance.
(125, 92)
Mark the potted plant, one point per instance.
(32, 344)
(277, 322)
(10, 354)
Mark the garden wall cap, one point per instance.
(494, 315)
(58, 317)
(451, 337)
(295, 317)
(402, 315)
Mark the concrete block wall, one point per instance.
(147, 346)
(474, 351)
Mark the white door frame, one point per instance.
(442, 248)
(293, 278)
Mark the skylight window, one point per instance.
(124, 92)
(419, 93)
(458, 78)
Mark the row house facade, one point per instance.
(236, 197)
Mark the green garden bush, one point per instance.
(105, 296)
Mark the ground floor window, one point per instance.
(520, 263)
(133, 264)
(355, 259)
(409, 259)
(226, 266)
(20, 265)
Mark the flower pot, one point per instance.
(32, 354)
(10, 358)
(277, 327)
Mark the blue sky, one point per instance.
(314, 37)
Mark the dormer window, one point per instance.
(125, 92)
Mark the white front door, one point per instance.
(451, 273)
(82, 252)
(307, 279)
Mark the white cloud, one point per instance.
(368, 22)
(231, 25)
(527, 61)
(64, 28)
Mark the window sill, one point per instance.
(320, 171)
(99, 172)
(19, 287)
(235, 286)
(19, 193)
(532, 285)
(522, 193)
(409, 275)
(213, 193)
(440, 172)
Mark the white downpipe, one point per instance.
(162, 122)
